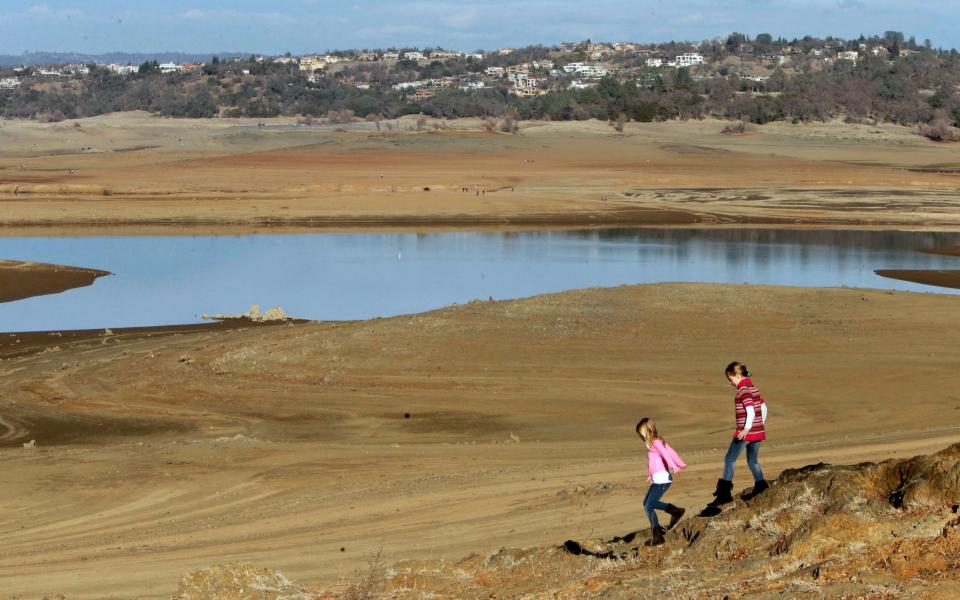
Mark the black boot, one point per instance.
(758, 488)
(721, 496)
(656, 536)
(676, 513)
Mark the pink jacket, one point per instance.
(661, 457)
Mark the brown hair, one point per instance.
(648, 431)
(736, 368)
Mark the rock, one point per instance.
(238, 581)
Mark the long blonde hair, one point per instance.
(647, 431)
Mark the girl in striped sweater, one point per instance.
(751, 415)
(662, 460)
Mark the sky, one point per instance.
(301, 26)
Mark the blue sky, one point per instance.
(276, 26)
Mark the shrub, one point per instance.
(938, 131)
(737, 128)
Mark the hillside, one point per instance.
(868, 531)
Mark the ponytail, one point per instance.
(736, 368)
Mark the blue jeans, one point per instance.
(652, 501)
(753, 452)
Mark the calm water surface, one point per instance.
(166, 280)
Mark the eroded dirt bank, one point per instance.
(307, 447)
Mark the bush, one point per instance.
(340, 116)
(737, 128)
(938, 131)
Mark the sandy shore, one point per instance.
(21, 279)
(306, 447)
(132, 173)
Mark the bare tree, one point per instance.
(621, 121)
(510, 123)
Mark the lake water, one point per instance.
(167, 280)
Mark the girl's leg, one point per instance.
(733, 452)
(651, 502)
(753, 455)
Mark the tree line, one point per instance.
(921, 89)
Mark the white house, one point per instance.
(9, 83)
(122, 69)
(311, 63)
(579, 85)
(573, 67)
(473, 85)
(285, 60)
(474, 56)
(851, 55)
(522, 80)
(414, 56)
(362, 86)
(688, 59)
(495, 71)
(391, 56)
(655, 62)
(410, 85)
(170, 67)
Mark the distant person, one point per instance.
(662, 460)
(751, 416)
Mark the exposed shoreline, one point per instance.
(22, 279)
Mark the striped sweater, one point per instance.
(748, 396)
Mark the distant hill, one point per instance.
(121, 58)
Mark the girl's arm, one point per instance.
(749, 422)
(763, 413)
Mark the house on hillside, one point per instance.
(311, 63)
(688, 59)
(170, 67)
(9, 83)
(391, 56)
(505, 51)
(423, 93)
(122, 69)
(417, 56)
(285, 60)
(850, 55)
(494, 71)
(366, 56)
(654, 62)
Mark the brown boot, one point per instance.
(676, 513)
(656, 536)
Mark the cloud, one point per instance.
(42, 11)
(236, 16)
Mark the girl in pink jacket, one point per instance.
(662, 460)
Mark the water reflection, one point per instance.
(163, 280)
